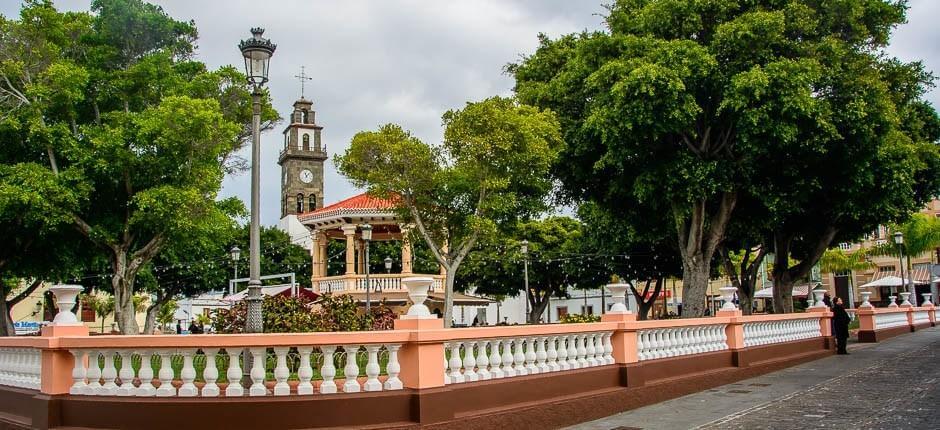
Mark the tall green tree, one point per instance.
(491, 170)
(128, 120)
(686, 107)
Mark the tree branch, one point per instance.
(25, 293)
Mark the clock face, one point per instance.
(306, 176)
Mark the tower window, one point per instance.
(300, 203)
(306, 142)
(284, 205)
(313, 202)
(304, 114)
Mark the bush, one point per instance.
(578, 318)
(296, 315)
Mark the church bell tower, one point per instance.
(301, 162)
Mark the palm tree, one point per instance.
(835, 260)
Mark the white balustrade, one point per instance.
(675, 341)
(98, 372)
(525, 355)
(921, 317)
(889, 320)
(768, 332)
(21, 367)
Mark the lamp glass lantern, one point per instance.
(388, 264)
(235, 253)
(898, 238)
(525, 246)
(366, 232)
(257, 52)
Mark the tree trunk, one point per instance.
(6, 320)
(449, 296)
(643, 305)
(151, 318)
(536, 307)
(784, 275)
(695, 274)
(699, 233)
(122, 282)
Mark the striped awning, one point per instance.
(768, 293)
(920, 275)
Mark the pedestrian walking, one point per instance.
(840, 325)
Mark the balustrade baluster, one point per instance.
(552, 355)
(372, 369)
(573, 362)
(455, 363)
(590, 350)
(609, 349)
(483, 361)
(562, 349)
(165, 374)
(518, 357)
(393, 368)
(351, 370)
(582, 351)
(304, 371)
(257, 373)
(233, 374)
(507, 359)
(187, 375)
(108, 374)
(126, 375)
(447, 380)
(469, 362)
(328, 370)
(540, 355)
(78, 370)
(281, 372)
(530, 356)
(210, 374)
(496, 359)
(145, 386)
(599, 349)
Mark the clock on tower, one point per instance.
(301, 162)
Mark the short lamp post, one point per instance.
(367, 237)
(899, 241)
(257, 52)
(525, 262)
(388, 265)
(236, 254)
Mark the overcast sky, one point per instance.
(406, 62)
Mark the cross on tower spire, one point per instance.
(302, 77)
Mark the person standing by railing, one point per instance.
(840, 325)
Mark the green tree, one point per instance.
(138, 132)
(491, 170)
(496, 267)
(686, 108)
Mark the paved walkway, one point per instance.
(894, 385)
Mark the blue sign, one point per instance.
(27, 327)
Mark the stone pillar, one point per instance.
(324, 244)
(315, 257)
(406, 259)
(360, 257)
(444, 249)
(350, 231)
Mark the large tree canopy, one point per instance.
(114, 110)
(689, 108)
(491, 170)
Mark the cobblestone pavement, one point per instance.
(894, 384)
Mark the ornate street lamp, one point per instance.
(257, 52)
(899, 241)
(367, 237)
(388, 265)
(525, 262)
(236, 254)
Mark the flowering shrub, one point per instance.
(298, 315)
(578, 318)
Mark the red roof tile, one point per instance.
(360, 201)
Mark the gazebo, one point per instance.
(342, 221)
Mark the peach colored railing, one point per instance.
(418, 354)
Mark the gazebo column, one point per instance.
(350, 231)
(406, 263)
(324, 244)
(444, 249)
(360, 257)
(315, 256)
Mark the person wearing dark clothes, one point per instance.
(840, 325)
(194, 328)
(179, 327)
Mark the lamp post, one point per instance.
(388, 265)
(899, 241)
(257, 52)
(236, 254)
(366, 237)
(525, 262)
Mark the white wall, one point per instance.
(299, 234)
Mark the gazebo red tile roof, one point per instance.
(359, 201)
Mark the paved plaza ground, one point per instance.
(894, 384)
